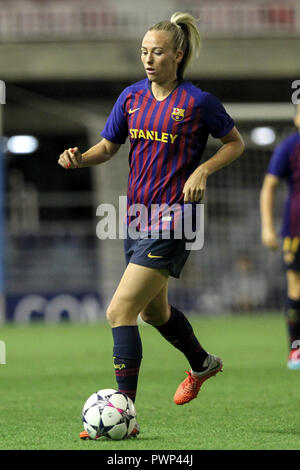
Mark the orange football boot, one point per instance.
(189, 388)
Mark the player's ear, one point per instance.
(179, 56)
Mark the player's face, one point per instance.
(159, 57)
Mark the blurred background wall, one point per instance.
(64, 63)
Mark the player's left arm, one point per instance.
(232, 148)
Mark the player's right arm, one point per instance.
(99, 153)
(267, 197)
(114, 134)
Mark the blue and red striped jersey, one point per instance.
(285, 163)
(167, 138)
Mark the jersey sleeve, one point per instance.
(116, 128)
(217, 120)
(279, 163)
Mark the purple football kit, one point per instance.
(167, 140)
(285, 164)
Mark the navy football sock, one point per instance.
(127, 358)
(292, 314)
(179, 332)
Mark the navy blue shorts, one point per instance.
(157, 253)
(291, 253)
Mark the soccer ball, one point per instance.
(109, 413)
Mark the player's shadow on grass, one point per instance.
(131, 441)
(292, 431)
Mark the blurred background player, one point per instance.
(168, 121)
(285, 164)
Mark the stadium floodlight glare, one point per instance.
(263, 135)
(22, 144)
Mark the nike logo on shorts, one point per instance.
(153, 256)
(133, 110)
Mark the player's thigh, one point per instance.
(293, 283)
(157, 312)
(137, 287)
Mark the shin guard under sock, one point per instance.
(127, 353)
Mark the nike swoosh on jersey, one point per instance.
(153, 256)
(133, 110)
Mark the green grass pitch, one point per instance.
(51, 370)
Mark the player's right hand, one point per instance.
(70, 158)
(269, 239)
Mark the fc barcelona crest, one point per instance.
(177, 114)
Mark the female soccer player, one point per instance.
(285, 164)
(168, 121)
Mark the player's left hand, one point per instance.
(195, 185)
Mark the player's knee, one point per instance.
(153, 317)
(113, 314)
(294, 284)
(120, 313)
(294, 293)
(146, 317)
